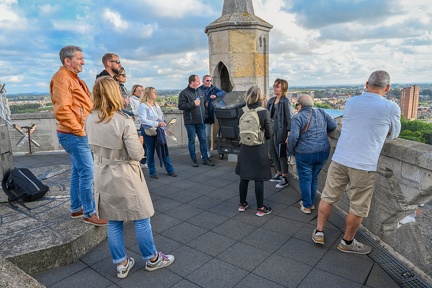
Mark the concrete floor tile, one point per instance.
(319, 278)
(204, 202)
(350, 266)
(216, 274)
(265, 239)
(234, 229)
(188, 260)
(162, 222)
(253, 280)
(244, 256)
(84, 278)
(207, 220)
(184, 212)
(284, 226)
(284, 271)
(53, 276)
(211, 243)
(184, 232)
(379, 278)
(306, 252)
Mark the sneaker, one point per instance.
(194, 163)
(276, 178)
(304, 209)
(312, 207)
(144, 165)
(355, 247)
(172, 174)
(162, 261)
(208, 154)
(208, 162)
(318, 237)
(263, 211)
(78, 214)
(243, 206)
(123, 271)
(154, 177)
(282, 183)
(94, 220)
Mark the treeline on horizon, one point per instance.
(416, 130)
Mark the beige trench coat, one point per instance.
(120, 190)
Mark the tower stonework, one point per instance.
(238, 48)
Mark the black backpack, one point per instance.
(21, 183)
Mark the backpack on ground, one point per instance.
(251, 133)
(21, 183)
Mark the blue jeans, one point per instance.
(150, 143)
(144, 237)
(81, 182)
(308, 167)
(199, 130)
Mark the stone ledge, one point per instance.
(13, 277)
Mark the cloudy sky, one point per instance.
(319, 42)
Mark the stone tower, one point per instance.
(238, 48)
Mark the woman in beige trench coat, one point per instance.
(120, 190)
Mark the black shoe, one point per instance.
(154, 177)
(194, 163)
(208, 162)
(172, 174)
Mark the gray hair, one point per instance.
(379, 79)
(305, 100)
(68, 52)
(253, 95)
(205, 76)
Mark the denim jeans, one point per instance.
(208, 136)
(192, 130)
(308, 167)
(144, 237)
(81, 182)
(150, 143)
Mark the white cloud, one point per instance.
(178, 8)
(116, 20)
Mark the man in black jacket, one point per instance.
(191, 101)
(112, 65)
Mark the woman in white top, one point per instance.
(151, 116)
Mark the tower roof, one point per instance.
(238, 14)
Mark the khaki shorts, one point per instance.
(360, 188)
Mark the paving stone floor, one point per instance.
(215, 245)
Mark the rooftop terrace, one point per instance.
(196, 220)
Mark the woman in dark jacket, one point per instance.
(308, 141)
(253, 162)
(281, 112)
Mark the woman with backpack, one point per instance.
(281, 113)
(253, 162)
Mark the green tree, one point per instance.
(322, 105)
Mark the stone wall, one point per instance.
(6, 160)
(46, 135)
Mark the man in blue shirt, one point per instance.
(368, 120)
(211, 92)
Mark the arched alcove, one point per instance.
(221, 77)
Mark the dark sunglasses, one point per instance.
(297, 104)
(116, 61)
(124, 75)
(208, 80)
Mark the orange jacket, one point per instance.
(72, 101)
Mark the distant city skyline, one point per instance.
(160, 44)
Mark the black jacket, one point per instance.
(103, 73)
(192, 114)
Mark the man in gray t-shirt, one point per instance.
(368, 120)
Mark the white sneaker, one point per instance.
(144, 165)
(123, 271)
(282, 183)
(162, 261)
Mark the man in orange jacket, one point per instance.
(72, 103)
